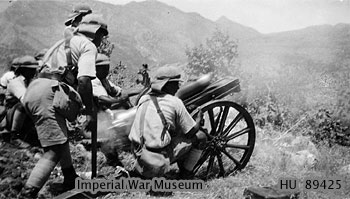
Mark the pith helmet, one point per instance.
(14, 62)
(165, 74)
(40, 54)
(102, 60)
(91, 23)
(77, 11)
(27, 61)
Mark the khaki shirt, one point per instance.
(6, 78)
(83, 52)
(98, 89)
(16, 87)
(174, 112)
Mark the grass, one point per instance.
(270, 161)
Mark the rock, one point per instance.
(286, 140)
(16, 173)
(7, 180)
(270, 192)
(345, 170)
(85, 175)
(101, 159)
(28, 153)
(3, 160)
(303, 158)
(293, 144)
(303, 143)
(37, 156)
(80, 147)
(121, 172)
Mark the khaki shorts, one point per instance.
(51, 127)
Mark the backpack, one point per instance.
(52, 65)
(67, 102)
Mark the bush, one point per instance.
(327, 129)
(219, 55)
(268, 111)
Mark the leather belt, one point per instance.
(53, 76)
(163, 150)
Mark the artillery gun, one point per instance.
(229, 127)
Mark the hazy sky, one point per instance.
(267, 15)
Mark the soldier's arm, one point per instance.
(195, 129)
(189, 126)
(85, 90)
(111, 100)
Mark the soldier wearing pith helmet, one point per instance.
(157, 111)
(74, 18)
(70, 63)
(16, 117)
(78, 12)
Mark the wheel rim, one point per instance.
(230, 142)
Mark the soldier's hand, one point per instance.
(123, 96)
(200, 114)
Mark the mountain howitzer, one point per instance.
(229, 127)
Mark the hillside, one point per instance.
(294, 84)
(145, 32)
(155, 33)
(236, 30)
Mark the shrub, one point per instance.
(327, 129)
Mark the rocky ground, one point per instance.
(15, 167)
(275, 156)
(16, 164)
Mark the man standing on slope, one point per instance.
(73, 62)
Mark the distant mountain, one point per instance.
(236, 30)
(323, 44)
(144, 32)
(155, 33)
(28, 26)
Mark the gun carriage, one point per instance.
(229, 127)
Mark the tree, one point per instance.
(106, 47)
(219, 56)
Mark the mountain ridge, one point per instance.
(156, 33)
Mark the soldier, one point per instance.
(16, 116)
(7, 101)
(73, 62)
(163, 131)
(40, 55)
(107, 93)
(6, 77)
(78, 12)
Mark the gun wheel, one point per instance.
(231, 139)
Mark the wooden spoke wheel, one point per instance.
(231, 138)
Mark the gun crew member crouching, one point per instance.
(163, 131)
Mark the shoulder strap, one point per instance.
(161, 115)
(68, 52)
(142, 122)
(51, 52)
